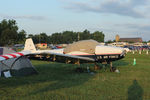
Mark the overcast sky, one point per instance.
(127, 18)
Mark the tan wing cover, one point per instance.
(87, 46)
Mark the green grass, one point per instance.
(57, 81)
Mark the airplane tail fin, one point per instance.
(29, 45)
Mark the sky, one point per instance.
(127, 18)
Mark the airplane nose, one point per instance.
(123, 52)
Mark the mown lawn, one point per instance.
(57, 81)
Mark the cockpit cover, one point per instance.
(87, 46)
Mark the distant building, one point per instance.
(118, 39)
(130, 40)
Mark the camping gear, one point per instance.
(20, 66)
(7, 74)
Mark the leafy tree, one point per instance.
(85, 35)
(56, 38)
(30, 35)
(8, 32)
(43, 38)
(21, 36)
(98, 36)
(70, 36)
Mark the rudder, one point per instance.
(29, 45)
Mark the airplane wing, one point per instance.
(64, 55)
(28, 53)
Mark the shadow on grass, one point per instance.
(120, 63)
(51, 76)
(135, 91)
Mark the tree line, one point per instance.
(67, 37)
(10, 34)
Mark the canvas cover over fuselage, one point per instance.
(87, 46)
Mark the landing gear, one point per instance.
(96, 67)
(78, 69)
(112, 69)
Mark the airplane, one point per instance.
(84, 51)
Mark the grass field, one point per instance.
(57, 81)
